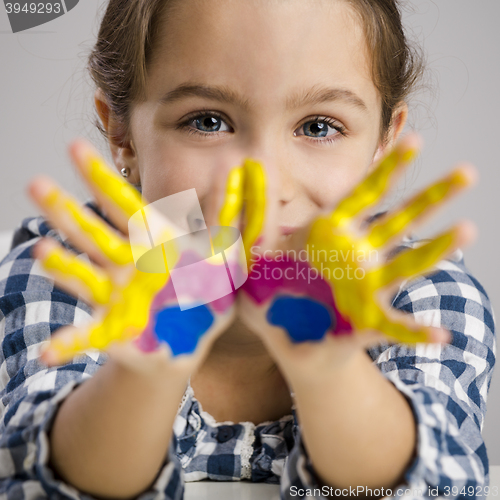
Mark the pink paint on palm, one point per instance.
(203, 285)
(269, 278)
(147, 340)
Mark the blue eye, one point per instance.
(321, 127)
(316, 129)
(208, 123)
(205, 124)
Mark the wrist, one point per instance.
(150, 366)
(337, 365)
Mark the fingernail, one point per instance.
(51, 197)
(47, 357)
(409, 155)
(445, 336)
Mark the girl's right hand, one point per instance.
(124, 300)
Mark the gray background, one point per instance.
(47, 101)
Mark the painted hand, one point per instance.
(337, 291)
(136, 314)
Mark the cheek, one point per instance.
(169, 168)
(330, 181)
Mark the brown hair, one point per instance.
(129, 29)
(397, 65)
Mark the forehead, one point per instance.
(264, 49)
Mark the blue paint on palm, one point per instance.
(181, 330)
(304, 319)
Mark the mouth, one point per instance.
(285, 232)
(288, 230)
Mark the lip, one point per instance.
(286, 230)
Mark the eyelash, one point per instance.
(186, 126)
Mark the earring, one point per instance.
(125, 171)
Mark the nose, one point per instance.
(287, 183)
(279, 170)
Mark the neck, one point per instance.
(239, 350)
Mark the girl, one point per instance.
(185, 92)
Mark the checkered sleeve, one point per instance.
(31, 309)
(446, 387)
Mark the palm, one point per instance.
(128, 303)
(364, 278)
(349, 299)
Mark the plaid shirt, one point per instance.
(446, 386)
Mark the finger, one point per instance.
(416, 261)
(255, 202)
(225, 241)
(371, 190)
(113, 193)
(72, 274)
(128, 317)
(65, 344)
(260, 208)
(230, 212)
(223, 205)
(233, 197)
(421, 206)
(83, 227)
(124, 321)
(404, 329)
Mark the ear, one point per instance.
(122, 149)
(399, 117)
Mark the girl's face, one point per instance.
(285, 82)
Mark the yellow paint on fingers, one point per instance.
(255, 199)
(370, 190)
(429, 198)
(233, 199)
(69, 267)
(416, 260)
(113, 246)
(126, 197)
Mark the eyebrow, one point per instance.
(318, 95)
(223, 94)
(217, 93)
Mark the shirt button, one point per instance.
(225, 433)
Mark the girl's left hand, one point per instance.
(316, 314)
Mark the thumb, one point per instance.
(261, 207)
(65, 344)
